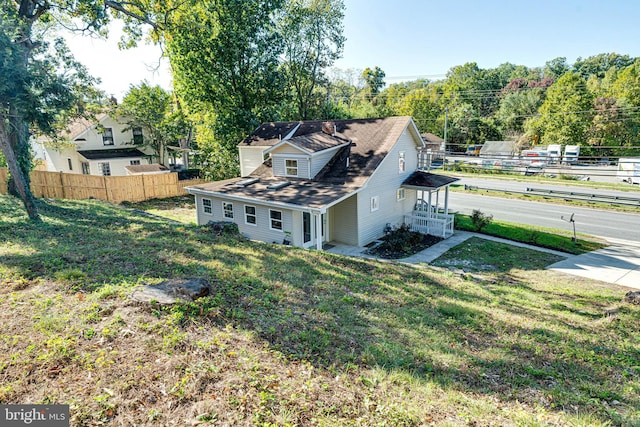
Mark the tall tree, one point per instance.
(41, 84)
(152, 109)
(313, 40)
(224, 56)
(374, 79)
(565, 115)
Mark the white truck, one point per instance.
(571, 154)
(629, 170)
(554, 151)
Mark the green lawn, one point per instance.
(297, 337)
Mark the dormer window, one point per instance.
(138, 136)
(291, 167)
(107, 136)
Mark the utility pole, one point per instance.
(444, 155)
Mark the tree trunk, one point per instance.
(20, 183)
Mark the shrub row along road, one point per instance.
(607, 224)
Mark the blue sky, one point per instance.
(425, 38)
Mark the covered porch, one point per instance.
(430, 214)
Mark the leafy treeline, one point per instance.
(594, 102)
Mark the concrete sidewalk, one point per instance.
(618, 264)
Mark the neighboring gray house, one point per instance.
(499, 149)
(312, 182)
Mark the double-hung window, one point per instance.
(400, 194)
(138, 136)
(105, 168)
(107, 136)
(227, 210)
(206, 206)
(250, 215)
(275, 218)
(291, 167)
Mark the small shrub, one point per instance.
(480, 220)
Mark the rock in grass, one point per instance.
(633, 297)
(172, 291)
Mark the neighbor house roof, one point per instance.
(78, 127)
(142, 169)
(498, 147)
(429, 137)
(111, 154)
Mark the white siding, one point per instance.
(320, 160)
(250, 159)
(384, 183)
(261, 231)
(343, 221)
(278, 164)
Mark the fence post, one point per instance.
(64, 193)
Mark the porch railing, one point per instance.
(435, 224)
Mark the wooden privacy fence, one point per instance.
(116, 189)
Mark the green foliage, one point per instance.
(560, 240)
(480, 220)
(152, 109)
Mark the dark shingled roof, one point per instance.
(111, 154)
(370, 140)
(428, 181)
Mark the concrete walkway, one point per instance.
(618, 264)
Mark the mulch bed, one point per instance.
(392, 251)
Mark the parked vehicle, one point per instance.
(554, 151)
(571, 154)
(474, 149)
(629, 170)
(535, 157)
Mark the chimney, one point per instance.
(329, 128)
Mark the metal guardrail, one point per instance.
(568, 195)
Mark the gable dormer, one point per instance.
(303, 156)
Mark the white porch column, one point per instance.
(437, 200)
(429, 206)
(318, 220)
(446, 200)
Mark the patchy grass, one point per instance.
(477, 254)
(179, 208)
(296, 337)
(559, 240)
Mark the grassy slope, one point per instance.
(296, 337)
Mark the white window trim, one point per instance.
(375, 203)
(402, 164)
(286, 168)
(401, 194)
(109, 132)
(281, 220)
(225, 212)
(205, 207)
(102, 165)
(255, 215)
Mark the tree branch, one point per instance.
(120, 8)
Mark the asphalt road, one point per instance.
(607, 224)
(513, 185)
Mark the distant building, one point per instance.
(94, 148)
(499, 149)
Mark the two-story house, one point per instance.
(90, 148)
(312, 182)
